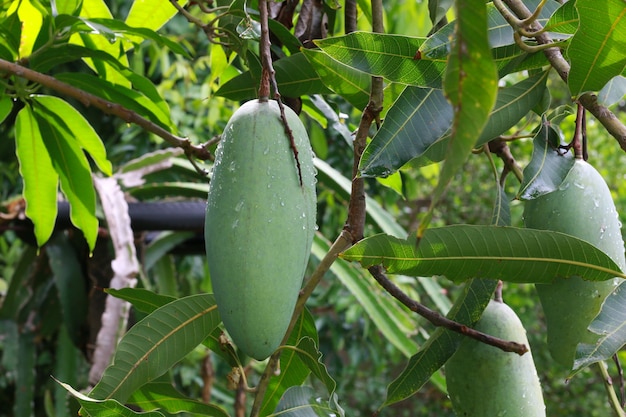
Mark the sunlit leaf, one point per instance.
(156, 343)
(471, 85)
(596, 50)
(548, 167)
(151, 14)
(461, 252)
(72, 166)
(79, 128)
(39, 176)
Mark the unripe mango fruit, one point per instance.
(582, 207)
(260, 222)
(484, 381)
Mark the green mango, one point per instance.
(260, 223)
(484, 381)
(582, 207)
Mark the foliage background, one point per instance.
(357, 356)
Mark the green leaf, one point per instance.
(143, 300)
(305, 402)
(442, 343)
(390, 56)
(105, 408)
(156, 343)
(350, 84)
(73, 169)
(151, 14)
(39, 176)
(293, 371)
(6, 105)
(564, 20)
(471, 85)
(130, 99)
(25, 373)
(548, 167)
(294, 74)
(418, 118)
(79, 128)
(99, 9)
(394, 322)
(613, 91)
(312, 358)
(461, 252)
(162, 395)
(609, 324)
(596, 52)
(69, 280)
(140, 33)
(394, 146)
(438, 9)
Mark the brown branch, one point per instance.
(499, 147)
(589, 100)
(88, 99)
(441, 321)
(356, 207)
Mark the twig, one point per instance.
(608, 384)
(439, 320)
(620, 373)
(88, 99)
(499, 147)
(590, 101)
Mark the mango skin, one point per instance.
(582, 207)
(484, 381)
(260, 223)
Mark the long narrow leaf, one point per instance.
(461, 252)
(156, 343)
(72, 166)
(41, 181)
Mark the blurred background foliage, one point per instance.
(356, 355)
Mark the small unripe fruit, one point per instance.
(260, 223)
(484, 381)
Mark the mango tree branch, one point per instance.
(441, 321)
(88, 99)
(356, 209)
(589, 100)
